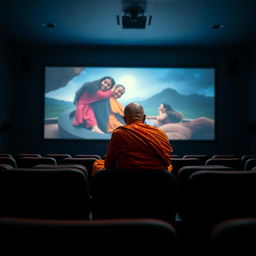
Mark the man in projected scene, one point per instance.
(109, 112)
(173, 124)
(136, 145)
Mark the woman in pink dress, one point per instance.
(91, 92)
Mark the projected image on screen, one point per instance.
(88, 102)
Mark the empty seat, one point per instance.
(4, 167)
(29, 162)
(92, 237)
(134, 194)
(44, 193)
(202, 158)
(234, 237)
(234, 163)
(62, 166)
(58, 157)
(223, 156)
(8, 160)
(86, 162)
(250, 164)
(28, 155)
(177, 163)
(244, 158)
(6, 155)
(215, 196)
(183, 182)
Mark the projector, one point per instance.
(138, 22)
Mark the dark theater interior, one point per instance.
(196, 56)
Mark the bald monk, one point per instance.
(136, 145)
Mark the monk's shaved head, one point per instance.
(134, 112)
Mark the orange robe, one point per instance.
(137, 146)
(115, 108)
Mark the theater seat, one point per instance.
(183, 183)
(29, 162)
(86, 162)
(59, 157)
(201, 157)
(250, 164)
(233, 162)
(8, 160)
(124, 237)
(177, 163)
(234, 237)
(44, 193)
(215, 196)
(134, 194)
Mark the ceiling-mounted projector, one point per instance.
(134, 18)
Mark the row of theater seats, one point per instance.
(120, 237)
(201, 195)
(245, 162)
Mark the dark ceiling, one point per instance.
(173, 23)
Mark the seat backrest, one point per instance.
(250, 164)
(223, 156)
(233, 162)
(92, 237)
(201, 157)
(8, 160)
(86, 162)
(59, 157)
(215, 196)
(244, 158)
(29, 162)
(4, 167)
(183, 183)
(177, 163)
(62, 166)
(44, 193)
(134, 194)
(234, 237)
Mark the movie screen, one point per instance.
(87, 103)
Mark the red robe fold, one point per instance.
(137, 146)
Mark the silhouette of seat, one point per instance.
(177, 163)
(249, 164)
(29, 162)
(234, 237)
(183, 183)
(223, 156)
(202, 158)
(28, 155)
(233, 162)
(134, 194)
(6, 155)
(8, 160)
(4, 167)
(44, 193)
(59, 157)
(91, 237)
(62, 166)
(215, 196)
(86, 162)
(244, 158)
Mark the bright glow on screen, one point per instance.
(180, 101)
